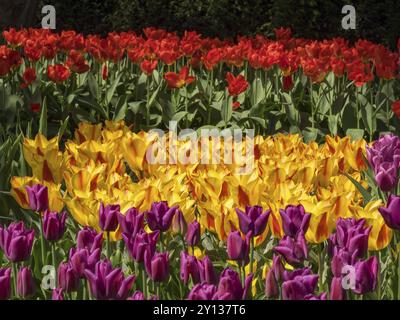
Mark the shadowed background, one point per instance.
(376, 20)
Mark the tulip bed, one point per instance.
(86, 215)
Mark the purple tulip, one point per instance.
(38, 197)
(160, 216)
(322, 296)
(391, 213)
(337, 292)
(230, 287)
(137, 295)
(386, 176)
(384, 158)
(207, 270)
(157, 266)
(57, 294)
(89, 239)
(5, 283)
(193, 234)
(54, 225)
(179, 224)
(202, 291)
(82, 259)
(107, 283)
(277, 267)
(68, 278)
(294, 220)
(109, 217)
(253, 220)
(299, 287)
(132, 222)
(16, 241)
(189, 268)
(25, 283)
(142, 242)
(366, 275)
(271, 285)
(238, 249)
(294, 251)
(352, 236)
(290, 275)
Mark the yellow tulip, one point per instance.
(44, 158)
(380, 235)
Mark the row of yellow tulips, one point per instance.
(101, 162)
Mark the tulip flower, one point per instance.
(82, 259)
(16, 241)
(132, 222)
(25, 283)
(137, 295)
(178, 80)
(322, 296)
(253, 220)
(54, 225)
(299, 287)
(137, 246)
(193, 234)
(89, 239)
(236, 85)
(57, 294)
(157, 266)
(202, 291)
(160, 216)
(109, 217)
(237, 247)
(271, 285)
(230, 287)
(384, 158)
(29, 76)
(351, 235)
(179, 224)
(294, 251)
(5, 283)
(277, 267)
(68, 278)
(366, 275)
(148, 66)
(38, 197)
(391, 213)
(207, 271)
(189, 268)
(386, 176)
(58, 73)
(337, 292)
(396, 105)
(107, 283)
(294, 219)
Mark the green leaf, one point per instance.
(111, 90)
(226, 110)
(43, 118)
(62, 128)
(332, 124)
(355, 134)
(121, 107)
(93, 86)
(365, 194)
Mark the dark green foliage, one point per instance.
(376, 20)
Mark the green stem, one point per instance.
(312, 105)
(108, 245)
(148, 102)
(144, 283)
(251, 254)
(320, 267)
(42, 240)
(14, 276)
(161, 242)
(53, 255)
